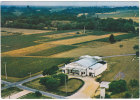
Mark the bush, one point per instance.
(78, 33)
(38, 94)
(134, 83)
(127, 95)
(117, 86)
(121, 46)
(98, 79)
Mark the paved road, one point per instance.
(17, 83)
(119, 55)
(30, 89)
(44, 93)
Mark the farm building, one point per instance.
(86, 66)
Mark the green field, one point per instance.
(129, 65)
(54, 50)
(73, 85)
(33, 96)
(20, 66)
(9, 91)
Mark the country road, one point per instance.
(119, 55)
(17, 83)
(30, 89)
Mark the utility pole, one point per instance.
(30, 74)
(5, 70)
(84, 30)
(65, 85)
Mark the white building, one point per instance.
(86, 66)
(103, 85)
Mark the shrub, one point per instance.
(127, 95)
(117, 86)
(134, 83)
(121, 46)
(78, 33)
(38, 94)
(98, 79)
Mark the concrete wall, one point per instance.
(100, 70)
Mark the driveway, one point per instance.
(88, 89)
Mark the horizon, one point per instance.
(71, 3)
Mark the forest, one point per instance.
(32, 17)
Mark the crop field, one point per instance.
(12, 42)
(28, 50)
(54, 36)
(128, 65)
(20, 66)
(53, 50)
(126, 14)
(83, 39)
(24, 31)
(106, 50)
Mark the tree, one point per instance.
(62, 77)
(52, 83)
(121, 46)
(50, 71)
(43, 80)
(111, 38)
(127, 95)
(136, 47)
(38, 94)
(134, 83)
(117, 86)
(137, 53)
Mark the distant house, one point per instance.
(86, 66)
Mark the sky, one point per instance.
(72, 3)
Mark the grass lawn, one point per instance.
(33, 96)
(72, 87)
(19, 67)
(9, 91)
(53, 50)
(125, 64)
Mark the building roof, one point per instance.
(86, 62)
(95, 66)
(104, 84)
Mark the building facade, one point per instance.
(86, 66)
